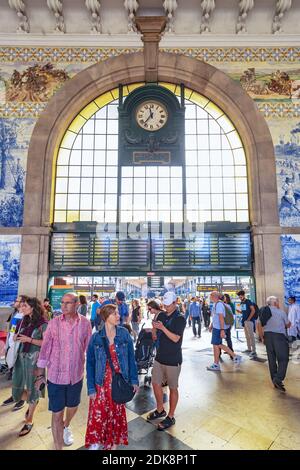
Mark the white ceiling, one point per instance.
(187, 18)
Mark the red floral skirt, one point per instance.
(107, 422)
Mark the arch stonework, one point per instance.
(174, 68)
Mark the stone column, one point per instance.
(268, 265)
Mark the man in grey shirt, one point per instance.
(276, 341)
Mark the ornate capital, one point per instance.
(131, 6)
(282, 6)
(20, 8)
(56, 7)
(93, 7)
(244, 7)
(151, 28)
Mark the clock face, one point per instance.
(151, 115)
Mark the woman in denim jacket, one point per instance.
(107, 423)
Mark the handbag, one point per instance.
(12, 352)
(121, 390)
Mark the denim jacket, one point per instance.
(96, 358)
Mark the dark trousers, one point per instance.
(206, 318)
(187, 318)
(278, 355)
(228, 338)
(194, 321)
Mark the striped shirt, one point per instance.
(63, 349)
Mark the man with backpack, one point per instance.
(249, 315)
(122, 307)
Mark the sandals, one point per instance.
(166, 423)
(156, 415)
(25, 429)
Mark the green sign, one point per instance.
(56, 294)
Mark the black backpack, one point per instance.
(264, 315)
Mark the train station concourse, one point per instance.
(149, 225)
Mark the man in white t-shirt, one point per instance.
(294, 318)
(218, 327)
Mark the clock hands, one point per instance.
(150, 116)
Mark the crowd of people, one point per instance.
(97, 339)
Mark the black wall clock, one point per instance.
(151, 127)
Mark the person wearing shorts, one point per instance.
(63, 354)
(168, 328)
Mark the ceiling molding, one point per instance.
(134, 40)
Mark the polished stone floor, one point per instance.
(235, 409)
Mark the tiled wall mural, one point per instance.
(10, 250)
(14, 141)
(291, 265)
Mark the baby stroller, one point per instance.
(145, 353)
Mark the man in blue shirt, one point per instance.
(248, 322)
(95, 306)
(195, 315)
(123, 307)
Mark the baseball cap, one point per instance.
(169, 298)
(120, 295)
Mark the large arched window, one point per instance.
(87, 169)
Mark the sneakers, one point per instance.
(253, 355)
(247, 351)
(18, 405)
(214, 368)
(68, 436)
(237, 359)
(7, 402)
(94, 447)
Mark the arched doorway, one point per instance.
(197, 76)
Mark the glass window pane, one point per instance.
(62, 171)
(176, 202)
(112, 157)
(60, 201)
(176, 171)
(74, 171)
(192, 185)
(112, 171)
(78, 145)
(216, 171)
(151, 171)
(151, 215)
(85, 202)
(139, 216)
(204, 185)
(240, 171)
(241, 185)
(190, 111)
(112, 126)
(61, 185)
(217, 201)
(151, 185)
(127, 185)
(139, 185)
(164, 216)
(229, 201)
(68, 140)
(230, 216)
(203, 157)
(151, 201)
(127, 171)
(225, 123)
(203, 142)
(139, 201)
(60, 216)
(204, 201)
(126, 216)
(112, 111)
(100, 142)
(63, 157)
(74, 185)
(213, 110)
(87, 157)
(191, 171)
(191, 158)
(100, 126)
(192, 201)
(110, 216)
(214, 127)
(242, 216)
(98, 216)
(72, 216)
(164, 185)
(202, 126)
(98, 201)
(190, 127)
(217, 185)
(75, 157)
(234, 139)
(242, 201)
(111, 185)
(112, 142)
(204, 171)
(191, 142)
(85, 216)
(228, 171)
(139, 172)
(87, 171)
(192, 216)
(73, 201)
(110, 202)
(176, 216)
(204, 216)
(164, 201)
(217, 215)
(99, 185)
(215, 157)
(215, 142)
(176, 185)
(88, 141)
(86, 185)
(99, 171)
(228, 184)
(89, 127)
(239, 157)
(100, 157)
